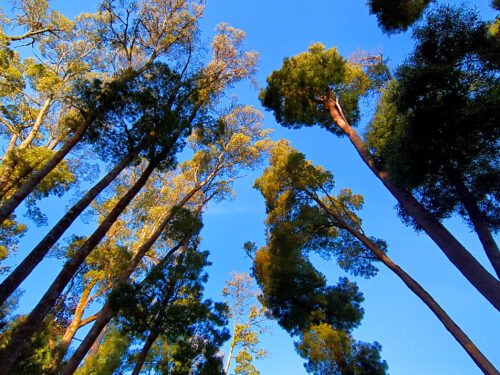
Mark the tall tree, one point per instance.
(302, 209)
(436, 127)
(137, 36)
(170, 116)
(248, 318)
(321, 87)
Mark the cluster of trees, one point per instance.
(433, 143)
(130, 86)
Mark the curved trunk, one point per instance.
(23, 333)
(144, 352)
(30, 184)
(473, 271)
(12, 282)
(471, 349)
(478, 220)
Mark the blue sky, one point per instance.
(413, 340)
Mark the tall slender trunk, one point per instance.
(478, 220)
(70, 332)
(471, 349)
(106, 314)
(38, 122)
(473, 271)
(31, 183)
(24, 332)
(144, 352)
(12, 282)
(97, 343)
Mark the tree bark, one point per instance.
(478, 220)
(97, 343)
(70, 332)
(31, 183)
(12, 282)
(23, 333)
(144, 352)
(473, 271)
(471, 349)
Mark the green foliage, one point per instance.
(109, 356)
(248, 322)
(295, 293)
(438, 121)
(294, 92)
(10, 234)
(333, 352)
(168, 303)
(35, 357)
(395, 16)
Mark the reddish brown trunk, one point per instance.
(473, 271)
(144, 352)
(478, 220)
(23, 333)
(481, 361)
(11, 283)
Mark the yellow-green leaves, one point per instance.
(229, 63)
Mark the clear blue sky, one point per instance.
(413, 340)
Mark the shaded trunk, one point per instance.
(97, 343)
(23, 333)
(478, 220)
(12, 282)
(471, 349)
(473, 271)
(144, 352)
(31, 183)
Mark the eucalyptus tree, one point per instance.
(435, 129)
(320, 87)
(303, 216)
(235, 144)
(249, 318)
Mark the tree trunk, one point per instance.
(24, 332)
(97, 343)
(478, 221)
(473, 271)
(11, 283)
(144, 352)
(471, 349)
(106, 315)
(70, 332)
(31, 183)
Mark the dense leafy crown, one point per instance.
(439, 121)
(292, 91)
